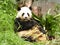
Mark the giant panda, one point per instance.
(27, 27)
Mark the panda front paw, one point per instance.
(42, 30)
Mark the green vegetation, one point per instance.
(7, 35)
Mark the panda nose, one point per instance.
(25, 17)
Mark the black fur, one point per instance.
(29, 39)
(42, 30)
(18, 8)
(26, 25)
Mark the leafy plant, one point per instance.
(49, 22)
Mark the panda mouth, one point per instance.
(26, 19)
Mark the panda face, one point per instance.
(24, 14)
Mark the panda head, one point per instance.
(24, 14)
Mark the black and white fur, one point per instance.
(24, 23)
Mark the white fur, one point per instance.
(24, 10)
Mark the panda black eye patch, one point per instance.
(28, 14)
(23, 14)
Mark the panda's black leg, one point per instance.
(42, 30)
(30, 39)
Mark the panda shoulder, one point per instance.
(18, 14)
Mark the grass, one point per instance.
(7, 35)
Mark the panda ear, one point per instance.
(30, 8)
(18, 8)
